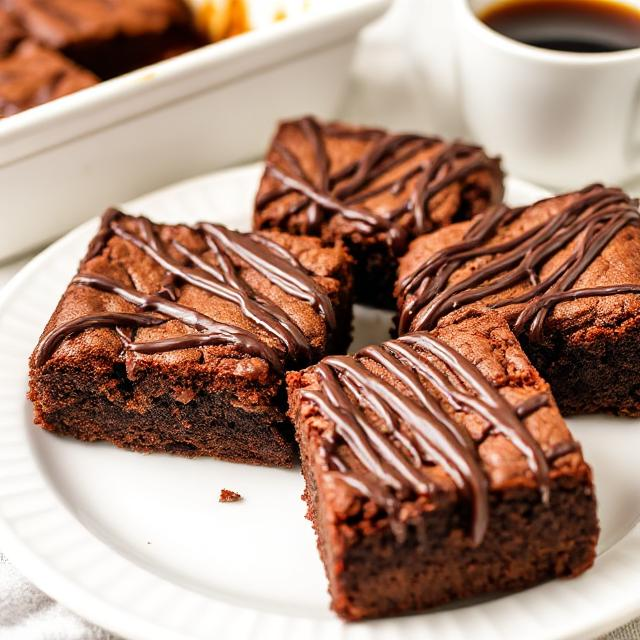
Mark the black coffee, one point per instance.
(586, 26)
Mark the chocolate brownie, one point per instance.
(32, 75)
(10, 33)
(176, 338)
(112, 37)
(438, 468)
(371, 189)
(564, 272)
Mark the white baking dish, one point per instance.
(63, 162)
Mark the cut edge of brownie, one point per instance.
(177, 418)
(370, 583)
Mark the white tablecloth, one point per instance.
(387, 88)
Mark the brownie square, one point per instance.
(10, 33)
(437, 468)
(372, 190)
(176, 339)
(564, 272)
(32, 75)
(110, 38)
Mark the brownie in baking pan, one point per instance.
(371, 189)
(437, 468)
(176, 339)
(109, 38)
(11, 33)
(32, 75)
(564, 272)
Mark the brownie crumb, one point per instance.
(229, 496)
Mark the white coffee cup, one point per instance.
(557, 118)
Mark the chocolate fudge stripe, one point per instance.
(373, 165)
(227, 334)
(313, 132)
(53, 339)
(191, 341)
(100, 240)
(365, 221)
(391, 356)
(550, 299)
(563, 449)
(590, 223)
(219, 277)
(342, 192)
(281, 266)
(486, 402)
(414, 427)
(224, 283)
(532, 404)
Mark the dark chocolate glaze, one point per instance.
(563, 449)
(53, 339)
(222, 281)
(281, 267)
(213, 272)
(414, 427)
(532, 404)
(343, 191)
(212, 330)
(590, 222)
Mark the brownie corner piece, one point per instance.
(176, 339)
(567, 281)
(372, 189)
(438, 468)
(32, 75)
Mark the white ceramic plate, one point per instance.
(140, 545)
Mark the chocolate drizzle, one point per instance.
(53, 339)
(415, 429)
(590, 222)
(345, 192)
(212, 271)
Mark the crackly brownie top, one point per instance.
(62, 23)
(32, 75)
(414, 421)
(10, 33)
(257, 302)
(336, 180)
(564, 263)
